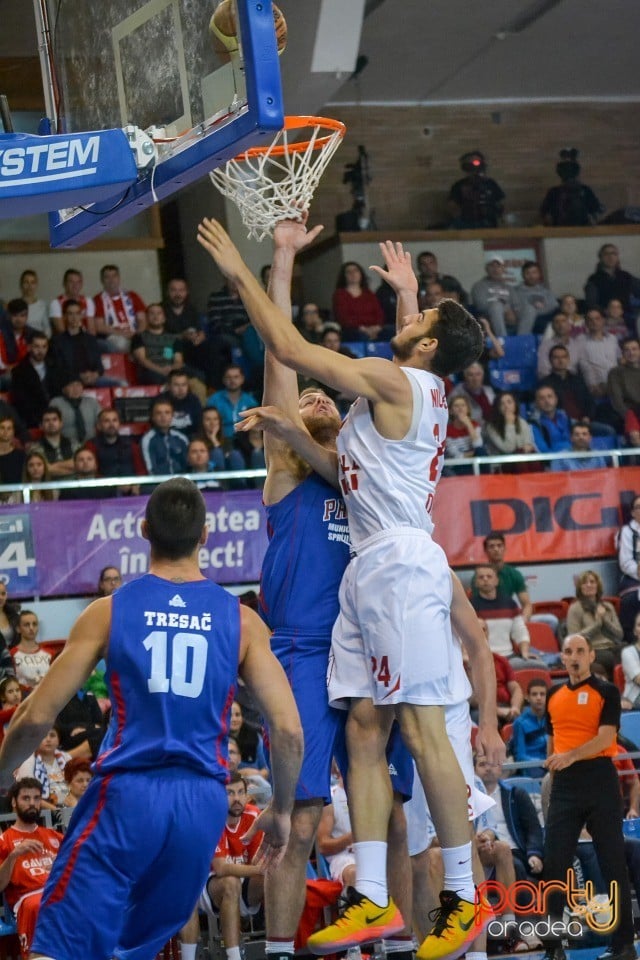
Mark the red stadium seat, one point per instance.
(120, 365)
(507, 732)
(542, 637)
(526, 675)
(558, 608)
(133, 429)
(101, 394)
(619, 678)
(615, 603)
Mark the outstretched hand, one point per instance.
(269, 419)
(399, 273)
(293, 234)
(216, 241)
(276, 828)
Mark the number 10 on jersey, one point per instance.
(188, 663)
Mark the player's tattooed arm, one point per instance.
(295, 435)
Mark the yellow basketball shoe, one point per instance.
(362, 921)
(456, 923)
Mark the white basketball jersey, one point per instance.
(391, 483)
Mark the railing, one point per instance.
(615, 456)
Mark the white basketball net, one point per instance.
(277, 186)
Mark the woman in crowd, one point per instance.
(9, 614)
(507, 432)
(355, 307)
(596, 620)
(250, 743)
(10, 699)
(31, 662)
(47, 766)
(631, 665)
(629, 564)
(36, 470)
(464, 438)
(222, 455)
(568, 306)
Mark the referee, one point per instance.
(583, 716)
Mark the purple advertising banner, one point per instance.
(53, 549)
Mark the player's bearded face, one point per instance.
(323, 427)
(403, 349)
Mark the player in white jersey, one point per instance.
(396, 594)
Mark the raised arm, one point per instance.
(400, 277)
(281, 382)
(377, 380)
(465, 624)
(87, 643)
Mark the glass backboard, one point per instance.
(153, 65)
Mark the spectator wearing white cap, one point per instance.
(491, 297)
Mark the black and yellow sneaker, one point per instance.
(362, 921)
(456, 922)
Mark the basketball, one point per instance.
(225, 35)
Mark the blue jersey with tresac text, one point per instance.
(171, 671)
(306, 557)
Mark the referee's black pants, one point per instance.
(588, 794)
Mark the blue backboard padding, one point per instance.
(264, 116)
(39, 174)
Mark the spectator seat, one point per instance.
(517, 369)
(542, 637)
(558, 608)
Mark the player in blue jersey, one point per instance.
(306, 557)
(174, 643)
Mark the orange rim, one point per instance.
(297, 123)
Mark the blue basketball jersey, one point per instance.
(171, 671)
(306, 557)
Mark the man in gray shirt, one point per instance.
(531, 298)
(491, 297)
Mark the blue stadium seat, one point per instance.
(356, 347)
(517, 370)
(381, 349)
(630, 726)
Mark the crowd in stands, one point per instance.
(137, 384)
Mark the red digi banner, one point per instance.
(544, 517)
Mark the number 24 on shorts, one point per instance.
(381, 672)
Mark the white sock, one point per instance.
(458, 868)
(233, 953)
(278, 946)
(371, 870)
(188, 951)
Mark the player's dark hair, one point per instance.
(460, 338)
(26, 783)
(175, 516)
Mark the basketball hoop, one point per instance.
(277, 182)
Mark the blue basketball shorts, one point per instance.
(304, 660)
(132, 865)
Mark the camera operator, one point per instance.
(359, 217)
(572, 204)
(475, 201)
